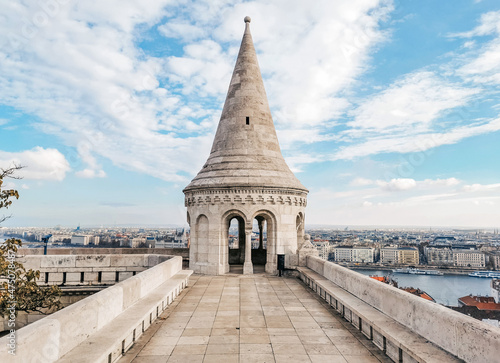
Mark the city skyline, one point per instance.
(386, 111)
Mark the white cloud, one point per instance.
(295, 162)
(89, 174)
(398, 184)
(181, 29)
(39, 163)
(429, 202)
(481, 187)
(489, 24)
(441, 182)
(415, 143)
(425, 109)
(486, 67)
(329, 43)
(483, 64)
(82, 75)
(358, 182)
(410, 104)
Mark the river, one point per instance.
(444, 289)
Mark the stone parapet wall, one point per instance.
(94, 269)
(49, 339)
(467, 338)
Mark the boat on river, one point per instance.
(416, 271)
(486, 274)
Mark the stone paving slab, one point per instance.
(251, 318)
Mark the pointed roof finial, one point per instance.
(247, 19)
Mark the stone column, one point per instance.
(248, 266)
(261, 237)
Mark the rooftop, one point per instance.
(246, 151)
(251, 318)
(481, 302)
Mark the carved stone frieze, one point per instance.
(246, 196)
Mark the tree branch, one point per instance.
(9, 172)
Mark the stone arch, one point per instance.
(272, 233)
(236, 256)
(231, 213)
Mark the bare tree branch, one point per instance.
(10, 172)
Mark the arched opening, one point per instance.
(235, 231)
(264, 254)
(259, 241)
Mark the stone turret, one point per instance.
(245, 178)
(245, 151)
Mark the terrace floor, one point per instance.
(251, 318)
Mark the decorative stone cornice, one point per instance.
(260, 196)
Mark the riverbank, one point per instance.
(445, 271)
(445, 289)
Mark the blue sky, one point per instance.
(388, 111)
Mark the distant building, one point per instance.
(323, 248)
(495, 261)
(137, 241)
(150, 242)
(439, 255)
(480, 302)
(495, 290)
(469, 258)
(443, 240)
(59, 238)
(408, 256)
(399, 255)
(363, 254)
(80, 240)
(354, 254)
(343, 253)
(389, 255)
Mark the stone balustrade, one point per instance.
(88, 269)
(462, 336)
(105, 324)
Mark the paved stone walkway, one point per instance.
(257, 318)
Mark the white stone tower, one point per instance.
(245, 178)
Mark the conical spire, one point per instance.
(246, 152)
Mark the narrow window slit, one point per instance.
(248, 120)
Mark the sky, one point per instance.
(387, 111)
